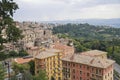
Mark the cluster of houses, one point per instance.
(60, 60)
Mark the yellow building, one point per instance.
(49, 60)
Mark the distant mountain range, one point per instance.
(115, 22)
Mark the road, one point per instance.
(117, 67)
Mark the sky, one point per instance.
(51, 10)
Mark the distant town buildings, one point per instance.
(35, 34)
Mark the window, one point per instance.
(68, 70)
(59, 78)
(81, 72)
(92, 69)
(68, 64)
(87, 67)
(84, 66)
(73, 76)
(80, 78)
(80, 66)
(65, 75)
(73, 70)
(88, 74)
(100, 71)
(105, 76)
(65, 63)
(73, 65)
(69, 75)
(111, 78)
(96, 71)
(37, 71)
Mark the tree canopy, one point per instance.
(86, 31)
(2, 72)
(32, 67)
(41, 75)
(8, 31)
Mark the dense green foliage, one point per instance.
(52, 78)
(87, 32)
(41, 75)
(86, 37)
(20, 68)
(2, 72)
(32, 67)
(3, 56)
(12, 54)
(27, 71)
(22, 53)
(23, 69)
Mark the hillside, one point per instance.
(89, 32)
(89, 37)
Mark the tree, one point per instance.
(2, 72)
(23, 69)
(12, 54)
(52, 78)
(41, 75)
(22, 53)
(3, 56)
(32, 67)
(95, 44)
(8, 31)
(20, 68)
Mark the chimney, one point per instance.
(72, 57)
(91, 61)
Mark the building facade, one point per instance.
(50, 62)
(67, 50)
(81, 67)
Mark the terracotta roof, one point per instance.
(45, 54)
(87, 60)
(53, 50)
(61, 46)
(22, 60)
(93, 53)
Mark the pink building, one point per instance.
(82, 67)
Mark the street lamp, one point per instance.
(8, 67)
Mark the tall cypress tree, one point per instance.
(2, 73)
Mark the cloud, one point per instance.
(102, 11)
(40, 10)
